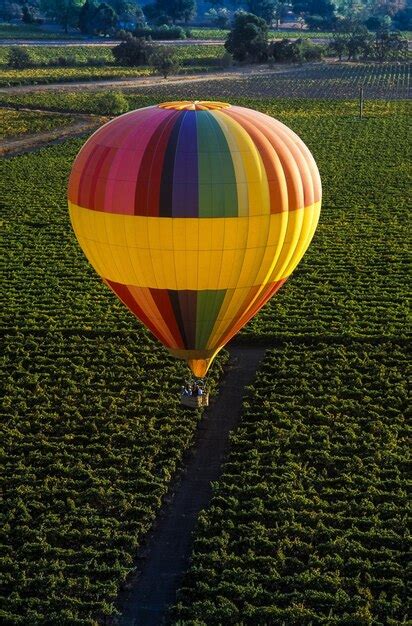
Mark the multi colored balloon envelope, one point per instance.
(194, 214)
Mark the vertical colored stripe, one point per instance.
(147, 195)
(185, 196)
(163, 302)
(123, 293)
(186, 300)
(209, 303)
(217, 180)
(166, 183)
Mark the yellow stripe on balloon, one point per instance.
(164, 253)
(248, 166)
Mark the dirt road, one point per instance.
(153, 591)
(29, 142)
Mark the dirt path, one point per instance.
(153, 81)
(105, 43)
(152, 592)
(33, 141)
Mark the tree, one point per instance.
(279, 12)
(9, 10)
(339, 45)
(219, 17)
(389, 45)
(18, 58)
(361, 43)
(66, 12)
(133, 52)
(105, 19)
(86, 17)
(262, 8)
(128, 11)
(403, 19)
(163, 60)
(28, 16)
(248, 39)
(323, 8)
(175, 9)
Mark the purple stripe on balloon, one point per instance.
(185, 199)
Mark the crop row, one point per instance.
(14, 123)
(307, 524)
(328, 80)
(92, 426)
(94, 434)
(331, 82)
(350, 283)
(96, 63)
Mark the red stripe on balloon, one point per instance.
(162, 301)
(123, 293)
(149, 176)
(96, 180)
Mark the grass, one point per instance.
(30, 31)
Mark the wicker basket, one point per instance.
(194, 402)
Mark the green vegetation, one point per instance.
(92, 426)
(49, 64)
(222, 33)
(29, 31)
(307, 524)
(293, 92)
(14, 123)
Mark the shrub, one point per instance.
(112, 103)
(69, 61)
(226, 60)
(133, 51)
(286, 51)
(161, 32)
(163, 61)
(18, 58)
(311, 51)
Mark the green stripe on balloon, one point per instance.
(209, 303)
(216, 174)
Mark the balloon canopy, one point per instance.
(194, 214)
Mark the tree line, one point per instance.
(107, 16)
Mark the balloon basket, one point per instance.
(195, 402)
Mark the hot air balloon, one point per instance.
(194, 214)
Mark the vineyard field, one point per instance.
(307, 524)
(96, 63)
(93, 427)
(15, 123)
(332, 83)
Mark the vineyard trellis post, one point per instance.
(361, 101)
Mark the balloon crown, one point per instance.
(194, 105)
